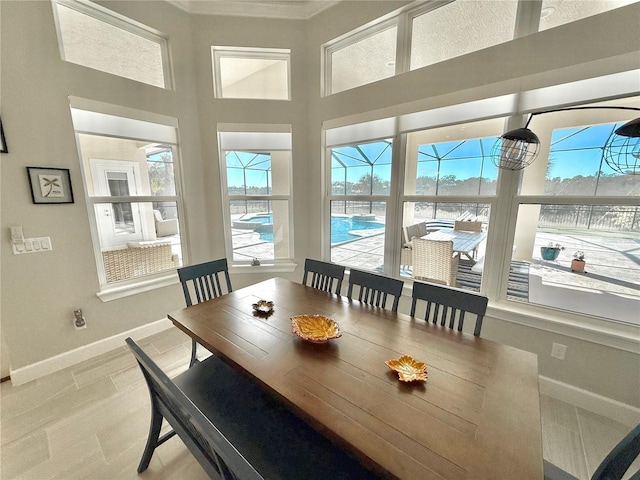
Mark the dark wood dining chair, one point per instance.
(445, 303)
(613, 467)
(323, 275)
(201, 282)
(374, 289)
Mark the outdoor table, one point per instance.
(477, 416)
(464, 242)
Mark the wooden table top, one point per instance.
(476, 417)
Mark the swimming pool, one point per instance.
(340, 227)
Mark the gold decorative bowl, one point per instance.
(408, 368)
(315, 328)
(263, 307)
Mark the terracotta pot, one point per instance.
(577, 265)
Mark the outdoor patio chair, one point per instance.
(375, 288)
(445, 303)
(323, 275)
(613, 467)
(203, 281)
(433, 261)
(415, 230)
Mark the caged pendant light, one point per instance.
(517, 149)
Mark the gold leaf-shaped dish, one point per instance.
(408, 368)
(315, 328)
(263, 306)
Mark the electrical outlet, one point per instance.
(558, 351)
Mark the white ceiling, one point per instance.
(290, 9)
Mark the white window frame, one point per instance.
(503, 206)
(93, 118)
(257, 53)
(119, 21)
(247, 138)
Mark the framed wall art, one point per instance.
(50, 185)
(3, 142)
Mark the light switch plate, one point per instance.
(32, 245)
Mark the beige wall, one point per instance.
(40, 291)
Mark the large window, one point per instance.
(98, 38)
(360, 187)
(362, 58)
(460, 27)
(256, 189)
(436, 31)
(440, 183)
(131, 191)
(575, 202)
(258, 73)
(558, 12)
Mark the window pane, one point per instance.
(160, 169)
(357, 234)
(422, 219)
(135, 241)
(365, 61)
(576, 165)
(97, 44)
(248, 173)
(460, 27)
(363, 169)
(251, 73)
(460, 165)
(606, 234)
(260, 229)
(558, 12)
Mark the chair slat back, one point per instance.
(210, 447)
(323, 275)
(375, 288)
(444, 303)
(203, 281)
(618, 461)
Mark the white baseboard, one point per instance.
(607, 407)
(39, 369)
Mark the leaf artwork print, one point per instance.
(51, 186)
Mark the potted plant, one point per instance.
(578, 262)
(551, 251)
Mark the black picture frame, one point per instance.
(50, 185)
(3, 142)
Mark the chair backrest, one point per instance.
(375, 288)
(468, 226)
(416, 230)
(618, 461)
(209, 446)
(323, 275)
(444, 303)
(204, 280)
(433, 261)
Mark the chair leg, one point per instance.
(194, 353)
(152, 440)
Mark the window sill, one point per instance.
(133, 287)
(285, 267)
(613, 334)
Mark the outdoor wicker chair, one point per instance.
(433, 261)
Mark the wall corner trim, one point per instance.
(39, 369)
(607, 407)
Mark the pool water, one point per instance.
(340, 228)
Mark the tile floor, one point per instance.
(90, 421)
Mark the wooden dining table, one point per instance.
(477, 416)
